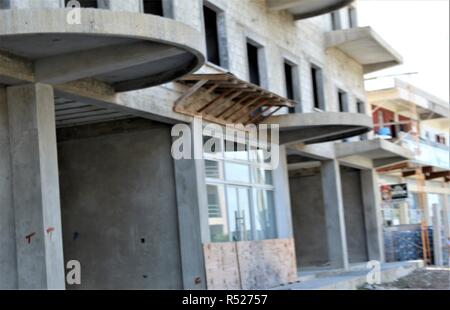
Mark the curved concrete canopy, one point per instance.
(126, 50)
(311, 128)
(301, 9)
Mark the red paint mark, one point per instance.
(29, 237)
(50, 230)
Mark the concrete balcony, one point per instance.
(380, 152)
(311, 128)
(365, 46)
(427, 153)
(301, 9)
(120, 50)
(406, 99)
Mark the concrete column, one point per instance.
(189, 223)
(334, 214)
(372, 215)
(446, 218)
(35, 187)
(282, 197)
(8, 268)
(437, 235)
(404, 216)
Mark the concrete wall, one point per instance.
(119, 205)
(308, 218)
(354, 215)
(8, 266)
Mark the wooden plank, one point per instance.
(252, 109)
(436, 175)
(215, 100)
(229, 102)
(265, 264)
(406, 174)
(221, 266)
(245, 106)
(235, 104)
(263, 117)
(191, 91)
(211, 77)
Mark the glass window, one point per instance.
(240, 194)
(237, 172)
(238, 203)
(264, 214)
(212, 169)
(217, 218)
(263, 176)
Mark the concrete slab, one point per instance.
(365, 46)
(381, 152)
(126, 50)
(334, 279)
(311, 128)
(306, 8)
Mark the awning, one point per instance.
(225, 99)
(381, 152)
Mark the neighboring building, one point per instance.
(419, 122)
(95, 181)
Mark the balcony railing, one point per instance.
(425, 152)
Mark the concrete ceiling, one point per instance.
(301, 9)
(311, 128)
(365, 46)
(128, 51)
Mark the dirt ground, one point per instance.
(431, 278)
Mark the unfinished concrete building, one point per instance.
(86, 111)
(418, 122)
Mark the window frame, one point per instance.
(222, 38)
(318, 88)
(252, 185)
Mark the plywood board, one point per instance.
(221, 266)
(250, 264)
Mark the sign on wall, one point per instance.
(394, 192)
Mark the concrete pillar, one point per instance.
(334, 214)
(35, 187)
(282, 197)
(437, 235)
(372, 215)
(8, 269)
(404, 216)
(446, 219)
(189, 223)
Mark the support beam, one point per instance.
(406, 174)
(436, 175)
(189, 223)
(334, 214)
(35, 187)
(437, 235)
(74, 66)
(372, 215)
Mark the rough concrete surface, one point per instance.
(431, 278)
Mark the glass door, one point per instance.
(239, 216)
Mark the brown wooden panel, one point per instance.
(250, 264)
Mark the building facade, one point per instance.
(88, 103)
(418, 121)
